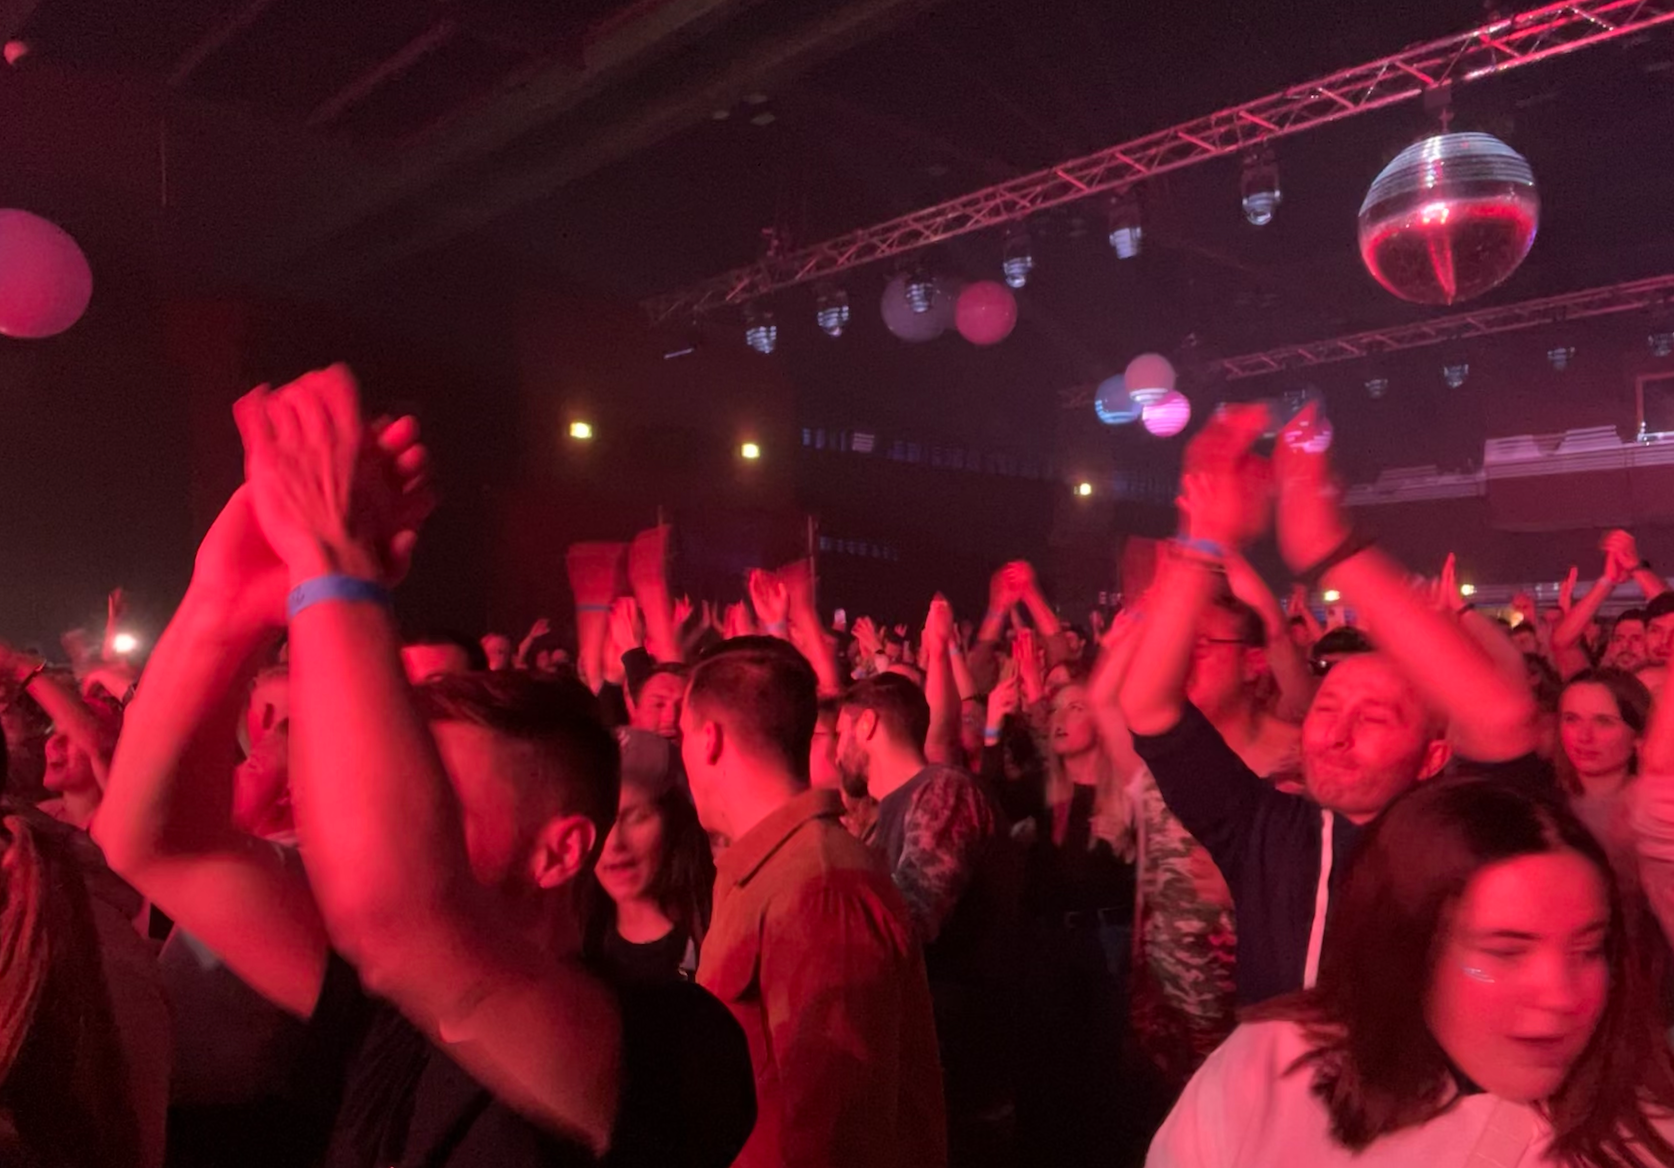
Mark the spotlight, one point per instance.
(1661, 344)
(1331, 596)
(920, 290)
(1376, 387)
(1260, 187)
(749, 451)
(1084, 489)
(831, 309)
(760, 333)
(124, 643)
(1127, 232)
(581, 431)
(1455, 373)
(1018, 257)
(1560, 357)
(1467, 590)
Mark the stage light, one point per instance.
(124, 643)
(1661, 344)
(1331, 596)
(581, 431)
(750, 451)
(831, 309)
(1127, 230)
(1376, 387)
(920, 291)
(1084, 489)
(1017, 258)
(1260, 187)
(1560, 357)
(760, 333)
(1467, 590)
(1455, 373)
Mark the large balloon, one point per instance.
(915, 327)
(1150, 378)
(1113, 404)
(44, 279)
(986, 312)
(1167, 417)
(1450, 218)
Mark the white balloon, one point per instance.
(1150, 378)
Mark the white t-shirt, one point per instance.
(1242, 1108)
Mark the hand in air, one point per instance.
(1621, 555)
(627, 630)
(771, 599)
(866, 634)
(1566, 591)
(1226, 488)
(938, 627)
(1004, 699)
(1310, 517)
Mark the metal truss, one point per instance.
(1653, 294)
(1493, 48)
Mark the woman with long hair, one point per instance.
(1479, 1003)
(656, 872)
(1602, 715)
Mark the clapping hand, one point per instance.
(1226, 488)
(771, 600)
(1621, 555)
(866, 635)
(737, 622)
(627, 629)
(1310, 517)
(329, 494)
(938, 627)
(1566, 592)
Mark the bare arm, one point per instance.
(1566, 638)
(166, 821)
(60, 702)
(647, 573)
(941, 744)
(1116, 653)
(379, 821)
(1153, 692)
(593, 570)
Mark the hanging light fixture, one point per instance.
(831, 309)
(1260, 187)
(1455, 373)
(1127, 230)
(1660, 343)
(1017, 257)
(760, 332)
(1560, 356)
(1376, 387)
(920, 290)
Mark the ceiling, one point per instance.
(633, 147)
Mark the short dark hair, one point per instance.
(636, 686)
(476, 660)
(1631, 614)
(762, 690)
(1659, 605)
(899, 704)
(1376, 1064)
(1343, 639)
(579, 767)
(1252, 630)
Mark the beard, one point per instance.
(855, 776)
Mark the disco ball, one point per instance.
(1113, 404)
(1450, 218)
(1167, 417)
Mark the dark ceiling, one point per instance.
(633, 147)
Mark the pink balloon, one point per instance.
(986, 313)
(45, 282)
(1169, 416)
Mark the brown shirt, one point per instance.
(812, 949)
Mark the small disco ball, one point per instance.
(1450, 218)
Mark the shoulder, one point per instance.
(943, 790)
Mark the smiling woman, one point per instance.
(1534, 1040)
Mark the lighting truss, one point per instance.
(1493, 48)
(1649, 294)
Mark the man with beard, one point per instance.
(942, 836)
(1380, 723)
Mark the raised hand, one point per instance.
(116, 605)
(737, 622)
(1020, 578)
(1621, 555)
(866, 633)
(1003, 589)
(1028, 658)
(682, 611)
(771, 600)
(938, 626)
(1225, 488)
(1566, 591)
(1004, 699)
(627, 630)
(1310, 517)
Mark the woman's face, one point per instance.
(68, 767)
(633, 851)
(1523, 975)
(1073, 729)
(1596, 739)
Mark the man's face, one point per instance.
(423, 662)
(1525, 638)
(1220, 662)
(1659, 638)
(269, 707)
(854, 729)
(1366, 738)
(658, 707)
(973, 720)
(1627, 645)
(498, 648)
(68, 767)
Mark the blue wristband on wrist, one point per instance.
(349, 589)
(778, 628)
(991, 736)
(1203, 547)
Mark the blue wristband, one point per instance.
(778, 628)
(990, 736)
(1203, 547)
(349, 589)
(592, 608)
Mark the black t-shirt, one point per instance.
(623, 961)
(393, 1098)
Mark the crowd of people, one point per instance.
(1206, 881)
